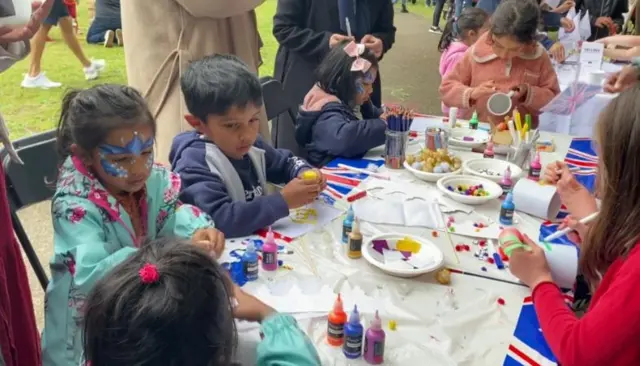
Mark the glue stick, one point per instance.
(353, 333)
(355, 241)
(374, 342)
(310, 175)
(335, 327)
(347, 225)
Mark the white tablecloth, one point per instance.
(581, 122)
(461, 324)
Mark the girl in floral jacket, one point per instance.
(109, 198)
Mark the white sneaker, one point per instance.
(39, 81)
(109, 36)
(92, 72)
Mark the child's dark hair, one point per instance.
(182, 316)
(471, 19)
(334, 74)
(516, 18)
(89, 115)
(215, 84)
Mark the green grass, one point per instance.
(30, 111)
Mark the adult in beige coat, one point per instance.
(163, 36)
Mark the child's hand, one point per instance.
(530, 266)
(337, 38)
(565, 7)
(210, 240)
(485, 89)
(604, 22)
(318, 177)
(300, 192)
(567, 24)
(374, 44)
(557, 52)
(580, 229)
(249, 308)
(520, 93)
(553, 172)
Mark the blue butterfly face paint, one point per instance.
(369, 77)
(359, 86)
(136, 147)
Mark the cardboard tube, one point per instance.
(537, 200)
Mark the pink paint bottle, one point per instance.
(506, 183)
(374, 343)
(535, 168)
(488, 151)
(270, 255)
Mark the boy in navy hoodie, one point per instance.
(224, 165)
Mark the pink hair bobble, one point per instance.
(149, 273)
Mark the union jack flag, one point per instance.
(571, 98)
(341, 181)
(528, 346)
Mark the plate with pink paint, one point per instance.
(403, 255)
(467, 137)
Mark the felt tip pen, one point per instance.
(357, 196)
(567, 230)
(495, 255)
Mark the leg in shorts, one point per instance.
(59, 10)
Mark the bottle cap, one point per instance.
(337, 305)
(537, 158)
(509, 198)
(350, 213)
(354, 318)
(507, 173)
(251, 247)
(489, 146)
(376, 323)
(356, 226)
(270, 236)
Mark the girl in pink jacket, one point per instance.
(506, 58)
(458, 35)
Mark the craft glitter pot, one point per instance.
(353, 333)
(511, 239)
(355, 242)
(506, 183)
(374, 342)
(468, 190)
(506, 210)
(347, 225)
(336, 321)
(250, 262)
(535, 168)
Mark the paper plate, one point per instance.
(429, 177)
(469, 180)
(484, 167)
(381, 252)
(468, 138)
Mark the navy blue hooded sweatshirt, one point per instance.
(327, 128)
(233, 191)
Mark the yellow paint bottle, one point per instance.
(355, 241)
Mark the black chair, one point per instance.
(31, 183)
(281, 111)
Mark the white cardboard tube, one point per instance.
(537, 200)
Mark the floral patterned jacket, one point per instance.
(92, 234)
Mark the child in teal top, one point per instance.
(171, 304)
(109, 196)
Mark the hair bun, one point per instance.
(149, 273)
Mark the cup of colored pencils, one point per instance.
(399, 121)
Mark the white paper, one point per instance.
(417, 213)
(563, 262)
(535, 199)
(585, 26)
(288, 228)
(466, 228)
(420, 124)
(573, 36)
(553, 3)
(591, 56)
(391, 256)
(571, 14)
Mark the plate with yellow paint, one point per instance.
(403, 255)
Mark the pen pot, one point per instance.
(395, 148)
(521, 155)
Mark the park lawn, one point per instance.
(29, 111)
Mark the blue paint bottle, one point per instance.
(507, 210)
(250, 262)
(353, 333)
(347, 225)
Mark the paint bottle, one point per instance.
(535, 168)
(355, 241)
(353, 333)
(453, 117)
(250, 262)
(505, 182)
(347, 225)
(473, 122)
(488, 151)
(507, 209)
(270, 255)
(335, 327)
(374, 342)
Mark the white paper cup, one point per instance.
(597, 77)
(537, 200)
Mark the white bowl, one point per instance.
(429, 177)
(474, 166)
(475, 138)
(428, 259)
(493, 188)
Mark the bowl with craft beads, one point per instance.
(467, 137)
(492, 169)
(403, 255)
(469, 189)
(429, 165)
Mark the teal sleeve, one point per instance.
(80, 238)
(285, 344)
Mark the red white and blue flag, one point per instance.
(572, 98)
(341, 181)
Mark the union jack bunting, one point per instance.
(580, 155)
(341, 181)
(528, 346)
(571, 98)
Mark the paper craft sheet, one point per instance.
(571, 98)
(325, 214)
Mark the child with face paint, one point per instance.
(506, 58)
(328, 124)
(109, 198)
(224, 164)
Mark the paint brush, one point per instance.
(348, 26)
(567, 230)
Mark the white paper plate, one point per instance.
(430, 258)
(478, 137)
(429, 177)
(493, 188)
(474, 166)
